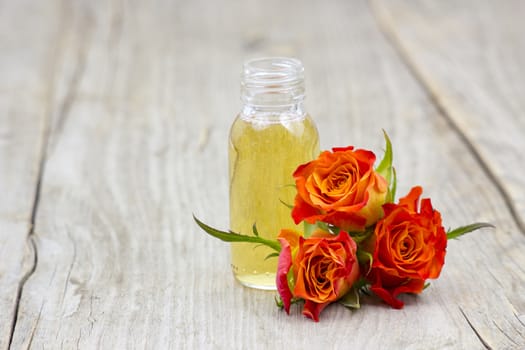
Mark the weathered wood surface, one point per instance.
(468, 56)
(26, 68)
(128, 104)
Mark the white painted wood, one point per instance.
(143, 97)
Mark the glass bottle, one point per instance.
(269, 138)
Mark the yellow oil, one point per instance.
(263, 156)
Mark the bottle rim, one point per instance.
(272, 81)
(272, 70)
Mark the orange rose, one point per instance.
(319, 269)
(340, 188)
(410, 246)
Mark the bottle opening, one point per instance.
(272, 82)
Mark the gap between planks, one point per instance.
(47, 131)
(46, 135)
(388, 29)
(30, 235)
(485, 344)
(42, 158)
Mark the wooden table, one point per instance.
(114, 119)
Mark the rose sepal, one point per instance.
(351, 299)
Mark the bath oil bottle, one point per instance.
(269, 138)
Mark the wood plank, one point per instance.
(26, 42)
(469, 56)
(142, 144)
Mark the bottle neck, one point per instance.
(273, 113)
(272, 89)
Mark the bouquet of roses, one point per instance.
(357, 237)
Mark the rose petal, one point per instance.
(292, 236)
(283, 266)
(342, 181)
(342, 149)
(312, 309)
(387, 297)
(410, 246)
(411, 200)
(303, 211)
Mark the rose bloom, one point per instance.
(319, 269)
(410, 246)
(340, 188)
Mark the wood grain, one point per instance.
(142, 98)
(470, 66)
(26, 68)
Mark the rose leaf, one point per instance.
(460, 231)
(230, 236)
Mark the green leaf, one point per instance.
(361, 236)
(327, 228)
(290, 278)
(393, 187)
(288, 185)
(272, 255)
(229, 236)
(254, 229)
(351, 299)
(360, 284)
(309, 229)
(386, 170)
(279, 302)
(460, 231)
(385, 166)
(289, 206)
